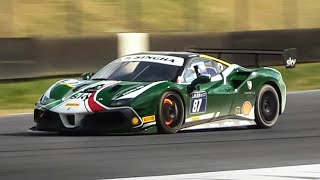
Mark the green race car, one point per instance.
(164, 92)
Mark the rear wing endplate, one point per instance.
(289, 55)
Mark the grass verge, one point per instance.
(19, 97)
(303, 77)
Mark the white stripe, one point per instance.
(274, 173)
(244, 123)
(227, 72)
(229, 123)
(207, 116)
(138, 92)
(214, 125)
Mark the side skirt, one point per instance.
(220, 122)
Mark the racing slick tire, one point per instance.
(267, 107)
(170, 113)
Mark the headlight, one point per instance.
(121, 102)
(45, 100)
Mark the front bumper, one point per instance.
(115, 120)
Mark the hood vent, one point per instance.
(78, 87)
(115, 88)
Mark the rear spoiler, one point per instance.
(289, 55)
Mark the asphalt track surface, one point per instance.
(295, 140)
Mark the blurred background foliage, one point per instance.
(20, 18)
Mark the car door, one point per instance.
(213, 99)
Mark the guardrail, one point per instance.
(37, 57)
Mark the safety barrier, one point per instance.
(37, 57)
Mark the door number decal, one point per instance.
(198, 102)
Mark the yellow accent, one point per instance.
(194, 118)
(69, 85)
(135, 121)
(149, 119)
(216, 59)
(72, 104)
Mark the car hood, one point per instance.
(77, 96)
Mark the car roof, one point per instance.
(182, 54)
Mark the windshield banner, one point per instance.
(170, 60)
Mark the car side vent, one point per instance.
(239, 78)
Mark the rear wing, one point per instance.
(289, 55)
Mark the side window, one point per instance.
(205, 67)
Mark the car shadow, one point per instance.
(83, 134)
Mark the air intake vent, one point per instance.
(71, 120)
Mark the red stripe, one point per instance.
(94, 106)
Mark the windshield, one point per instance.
(141, 71)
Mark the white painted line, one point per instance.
(301, 92)
(18, 114)
(274, 173)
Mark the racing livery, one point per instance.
(163, 92)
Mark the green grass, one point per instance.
(21, 96)
(303, 77)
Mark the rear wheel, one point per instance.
(267, 107)
(170, 113)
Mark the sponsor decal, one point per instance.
(249, 92)
(132, 90)
(249, 85)
(82, 96)
(194, 118)
(152, 57)
(148, 119)
(198, 102)
(238, 110)
(291, 62)
(246, 108)
(171, 60)
(72, 104)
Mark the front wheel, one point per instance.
(170, 113)
(267, 107)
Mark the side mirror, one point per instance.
(201, 79)
(87, 76)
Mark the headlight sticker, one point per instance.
(148, 119)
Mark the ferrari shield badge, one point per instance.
(249, 84)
